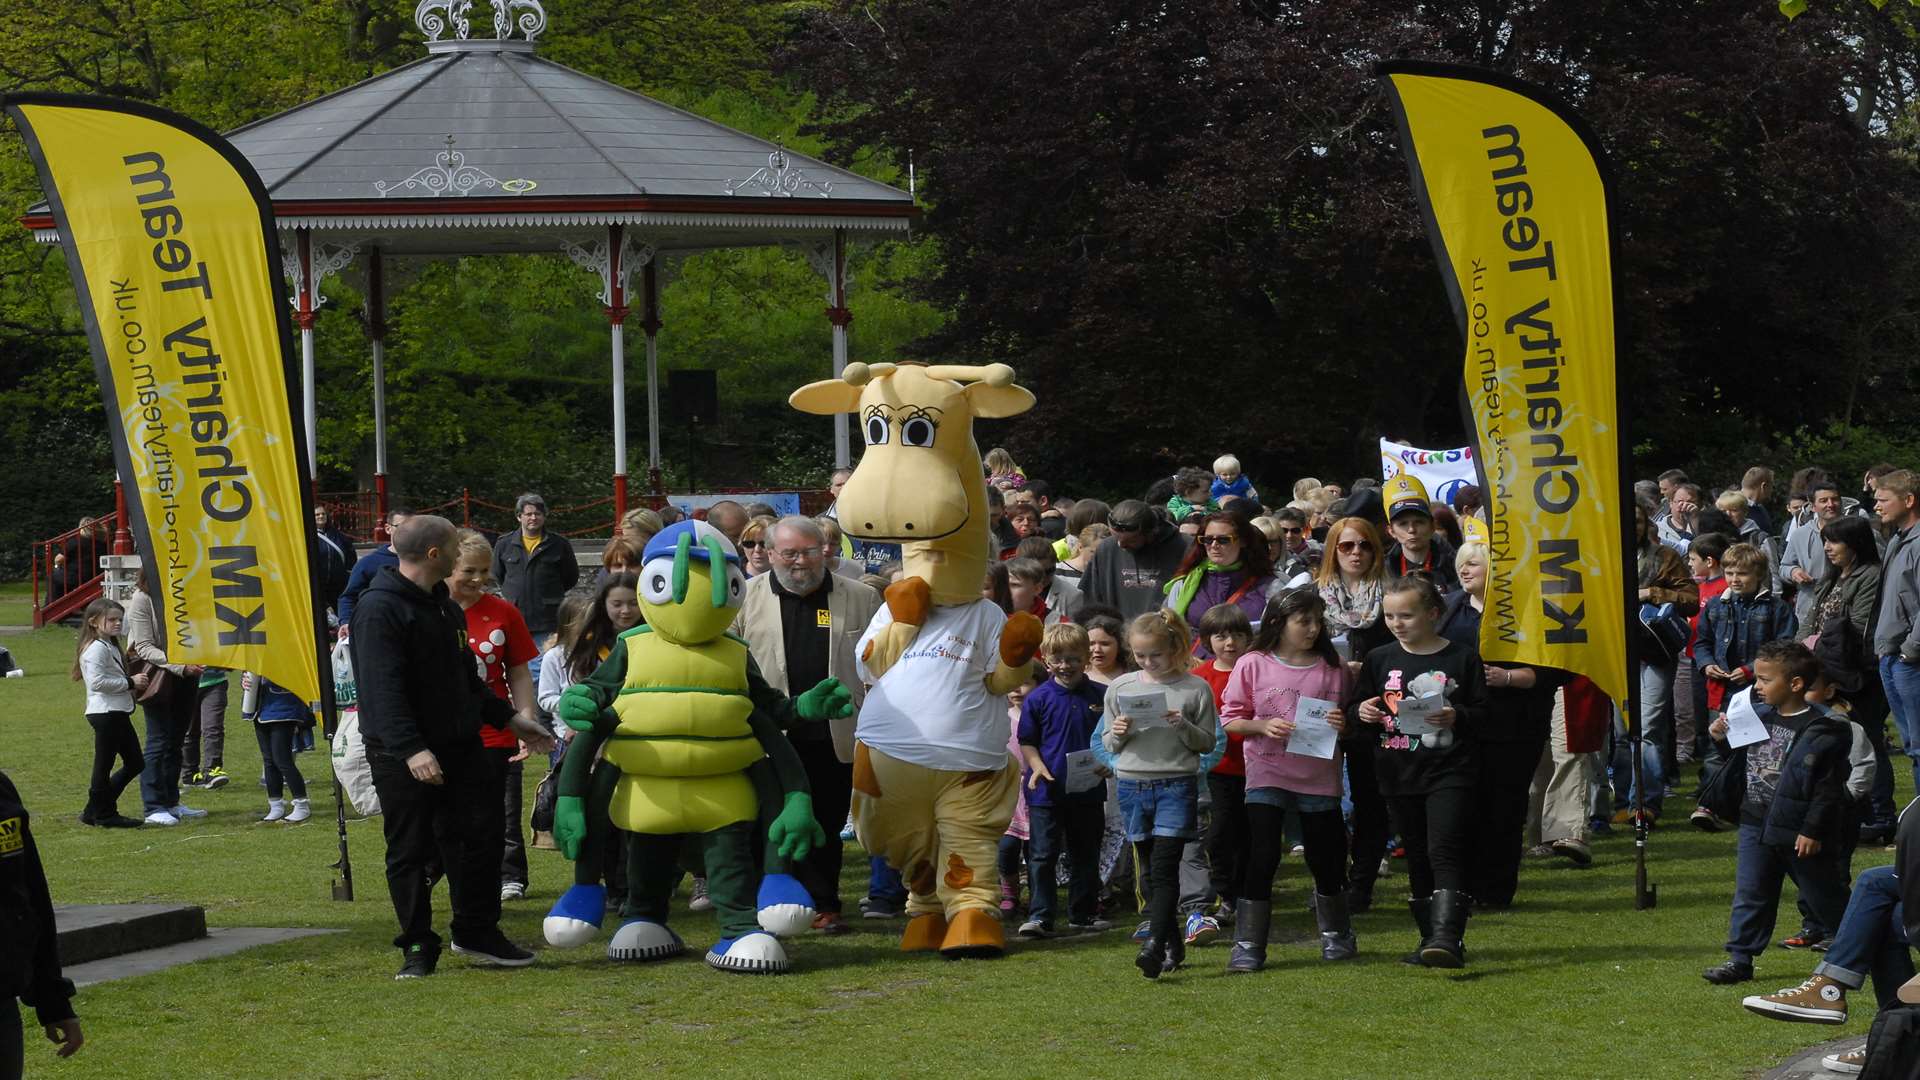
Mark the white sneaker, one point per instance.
(302, 810)
(184, 812)
(1851, 1062)
(513, 890)
(161, 817)
(276, 810)
(699, 901)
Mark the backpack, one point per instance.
(1893, 1045)
(1666, 632)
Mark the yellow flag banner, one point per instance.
(168, 236)
(1513, 188)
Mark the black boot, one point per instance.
(1250, 922)
(1447, 947)
(1336, 928)
(1176, 952)
(1422, 910)
(1360, 891)
(1152, 956)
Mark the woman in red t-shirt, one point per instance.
(501, 645)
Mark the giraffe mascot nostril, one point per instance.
(693, 733)
(933, 784)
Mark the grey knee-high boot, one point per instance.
(1337, 941)
(1251, 919)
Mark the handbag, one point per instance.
(159, 679)
(1666, 630)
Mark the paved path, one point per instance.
(221, 941)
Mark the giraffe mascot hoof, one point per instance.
(934, 786)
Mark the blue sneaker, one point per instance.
(1201, 929)
(846, 834)
(786, 908)
(749, 954)
(1144, 931)
(576, 916)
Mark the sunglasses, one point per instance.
(1218, 541)
(1284, 531)
(1117, 527)
(1349, 547)
(753, 543)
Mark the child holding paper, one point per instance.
(1292, 672)
(1788, 789)
(1426, 695)
(1158, 732)
(1058, 719)
(1210, 871)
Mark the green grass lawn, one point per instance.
(16, 603)
(1572, 983)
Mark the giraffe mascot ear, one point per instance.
(830, 396)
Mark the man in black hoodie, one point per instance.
(421, 706)
(1130, 569)
(29, 949)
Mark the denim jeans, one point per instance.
(1075, 825)
(168, 715)
(1758, 874)
(883, 882)
(1901, 681)
(1168, 807)
(1872, 939)
(1656, 710)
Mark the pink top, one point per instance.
(1263, 686)
(1018, 826)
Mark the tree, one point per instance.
(1190, 229)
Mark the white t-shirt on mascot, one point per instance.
(933, 708)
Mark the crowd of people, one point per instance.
(1313, 666)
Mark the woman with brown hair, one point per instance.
(1228, 564)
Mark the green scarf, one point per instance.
(1190, 584)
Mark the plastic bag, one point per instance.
(344, 693)
(350, 765)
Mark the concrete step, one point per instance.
(91, 932)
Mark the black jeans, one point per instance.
(1226, 841)
(1323, 834)
(508, 777)
(1159, 858)
(454, 825)
(168, 715)
(1506, 775)
(276, 753)
(1438, 830)
(1370, 823)
(832, 782)
(113, 737)
(1076, 826)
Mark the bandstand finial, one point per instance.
(437, 17)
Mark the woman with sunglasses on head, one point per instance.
(1351, 580)
(1228, 564)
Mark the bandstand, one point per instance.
(483, 147)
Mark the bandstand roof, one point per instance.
(484, 146)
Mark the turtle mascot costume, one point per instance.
(692, 742)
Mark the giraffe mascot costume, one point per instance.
(933, 784)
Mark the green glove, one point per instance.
(577, 709)
(793, 834)
(827, 701)
(570, 825)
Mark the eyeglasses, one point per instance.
(1284, 531)
(1219, 541)
(798, 554)
(753, 543)
(1350, 547)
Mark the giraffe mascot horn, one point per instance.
(933, 784)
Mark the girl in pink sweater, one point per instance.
(1292, 659)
